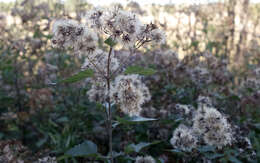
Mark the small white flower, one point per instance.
(127, 40)
(98, 91)
(64, 33)
(218, 138)
(183, 138)
(206, 118)
(130, 93)
(212, 126)
(87, 43)
(94, 18)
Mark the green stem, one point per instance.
(108, 78)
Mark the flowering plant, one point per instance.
(109, 87)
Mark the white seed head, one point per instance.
(212, 126)
(183, 138)
(123, 26)
(69, 33)
(87, 43)
(130, 93)
(218, 138)
(98, 91)
(94, 18)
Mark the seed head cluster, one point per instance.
(130, 93)
(213, 127)
(122, 27)
(209, 127)
(98, 91)
(71, 34)
(183, 138)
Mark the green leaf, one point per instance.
(176, 151)
(233, 159)
(257, 125)
(213, 155)
(139, 70)
(116, 154)
(231, 152)
(138, 147)
(42, 141)
(134, 119)
(49, 36)
(206, 148)
(110, 42)
(79, 76)
(62, 119)
(115, 124)
(88, 148)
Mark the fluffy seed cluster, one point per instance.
(130, 93)
(146, 159)
(121, 26)
(209, 127)
(213, 127)
(124, 27)
(183, 138)
(94, 18)
(98, 90)
(71, 34)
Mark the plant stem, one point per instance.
(108, 78)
